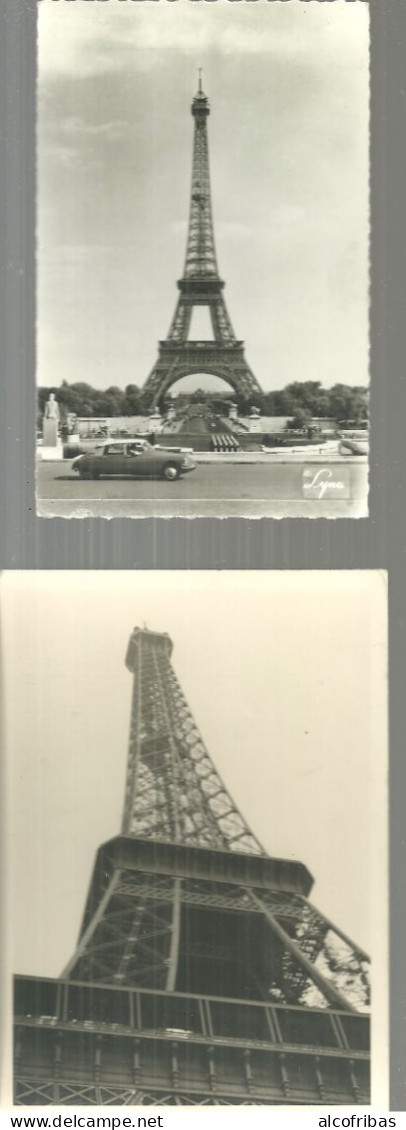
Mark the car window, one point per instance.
(114, 449)
(136, 448)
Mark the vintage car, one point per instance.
(134, 458)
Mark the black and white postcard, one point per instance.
(202, 258)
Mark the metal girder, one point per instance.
(146, 931)
(216, 1077)
(186, 1048)
(178, 1073)
(175, 794)
(217, 358)
(200, 249)
(173, 791)
(200, 285)
(49, 1093)
(130, 940)
(331, 960)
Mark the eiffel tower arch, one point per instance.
(201, 285)
(203, 975)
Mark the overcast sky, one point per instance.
(285, 676)
(288, 136)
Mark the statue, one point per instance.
(51, 408)
(50, 422)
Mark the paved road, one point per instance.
(212, 489)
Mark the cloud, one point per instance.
(178, 227)
(80, 252)
(85, 39)
(64, 154)
(235, 231)
(110, 131)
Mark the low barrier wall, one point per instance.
(201, 441)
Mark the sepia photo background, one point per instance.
(285, 674)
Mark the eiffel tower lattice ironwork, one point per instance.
(201, 285)
(202, 975)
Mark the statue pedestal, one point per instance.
(49, 432)
(51, 453)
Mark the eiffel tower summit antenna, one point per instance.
(202, 974)
(200, 285)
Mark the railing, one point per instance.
(95, 1044)
(188, 1017)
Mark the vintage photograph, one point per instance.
(196, 838)
(203, 259)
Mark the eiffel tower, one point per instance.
(202, 975)
(200, 285)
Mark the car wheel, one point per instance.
(171, 472)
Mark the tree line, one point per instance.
(300, 400)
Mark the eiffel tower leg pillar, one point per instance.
(160, 380)
(326, 987)
(133, 932)
(223, 360)
(175, 937)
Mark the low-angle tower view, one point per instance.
(200, 285)
(203, 975)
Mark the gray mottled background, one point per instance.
(379, 541)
